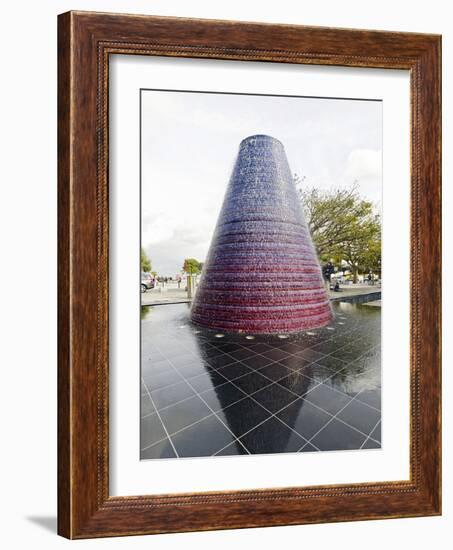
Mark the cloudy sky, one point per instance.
(190, 142)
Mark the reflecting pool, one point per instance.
(206, 393)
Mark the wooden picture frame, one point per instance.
(85, 42)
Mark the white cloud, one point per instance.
(363, 164)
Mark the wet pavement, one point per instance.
(205, 393)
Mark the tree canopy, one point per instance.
(192, 266)
(145, 261)
(344, 227)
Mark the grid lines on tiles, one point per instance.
(279, 385)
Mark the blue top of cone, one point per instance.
(257, 138)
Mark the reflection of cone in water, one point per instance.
(261, 274)
(240, 413)
(270, 436)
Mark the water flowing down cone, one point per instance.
(261, 274)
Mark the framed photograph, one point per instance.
(249, 275)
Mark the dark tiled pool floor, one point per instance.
(205, 394)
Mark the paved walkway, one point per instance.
(355, 290)
(167, 296)
(175, 295)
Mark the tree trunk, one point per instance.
(355, 271)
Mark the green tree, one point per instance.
(145, 261)
(344, 227)
(371, 258)
(191, 266)
(362, 252)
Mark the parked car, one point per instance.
(147, 282)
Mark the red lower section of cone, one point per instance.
(264, 319)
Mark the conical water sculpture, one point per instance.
(261, 275)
